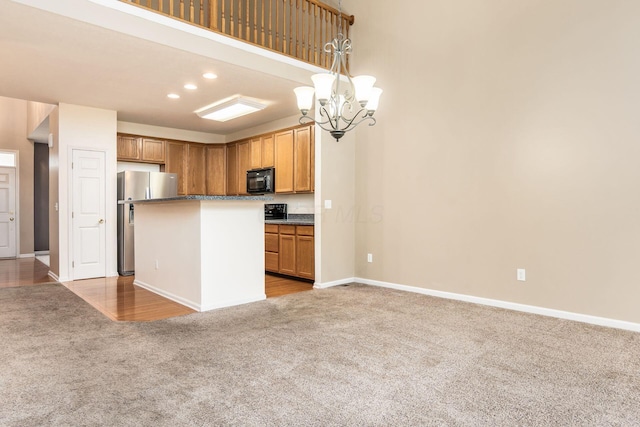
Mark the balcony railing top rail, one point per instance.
(297, 28)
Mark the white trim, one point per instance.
(560, 314)
(194, 305)
(17, 197)
(334, 283)
(38, 253)
(33, 255)
(53, 276)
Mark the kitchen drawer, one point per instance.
(287, 229)
(271, 228)
(305, 230)
(271, 242)
(271, 261)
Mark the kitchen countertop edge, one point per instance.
(197, 197)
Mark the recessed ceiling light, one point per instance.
(190, 86)
(173, 96)
(228, 109)
(209, 76)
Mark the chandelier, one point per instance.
(345, 101)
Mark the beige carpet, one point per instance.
(346, 356)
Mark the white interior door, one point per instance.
(88, 214)
(8, 213)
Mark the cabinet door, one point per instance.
(256, 153)
(244, 164)
(232, 170)
(305, 257)
(287, 254)
(128, 148)
(271, 261)
(153, 151)
(196, 182)
(267, 152)
(302, 159)
(216, 171)
(177, 153)
(284, 161)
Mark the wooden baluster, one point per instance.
(181, 9)
(171, 11)
(161, 6)
(255, 23)
(328, 34)
(149, 3)
(271, 44)
(296, 34)
(192, 12)
(262, 26)
(316, 39)
(213, 14)
(309, 30)
(277, 24)
(247, 33)
(239, 18)
(201, 5)
(292, 33)
(232, 18)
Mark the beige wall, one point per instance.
(13, 136)
(54, 195)
(507, 138)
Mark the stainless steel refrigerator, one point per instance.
(133, 185)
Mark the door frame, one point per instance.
(17, 211)
(70, 182)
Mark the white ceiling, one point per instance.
(51, 58)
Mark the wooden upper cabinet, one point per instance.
(153, 150)
(216, 170)
(244, 164)
(256, 153)
(232, 169)
(303, 159)
(283, 147)
(177, 153)
(129, 147)
(196, 167)
(268, 157)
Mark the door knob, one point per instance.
(101, 221)
(10, 219)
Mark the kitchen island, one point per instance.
(204, 252)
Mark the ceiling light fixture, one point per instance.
(209, 76)
(230, 108)
(341, 108)
(190, 86)
(173, 96)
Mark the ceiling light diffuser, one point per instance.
(230, 109)
(190, 86)
(209, 76)
(173, 96)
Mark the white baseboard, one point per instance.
(560, 314)
(233, 302)
(33, 255)
(334, 283)
(39, 253)
(168, 295)
(194, 305)
(53, 276)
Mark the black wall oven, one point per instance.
(261, 181)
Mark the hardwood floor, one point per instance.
(276, 286)
(23, 272)
(117, 297)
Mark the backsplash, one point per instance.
(300, 217)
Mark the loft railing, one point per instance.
(298, 28)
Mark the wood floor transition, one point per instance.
(117, 297)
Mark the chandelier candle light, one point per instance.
(345, 101)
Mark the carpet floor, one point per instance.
(346, 356)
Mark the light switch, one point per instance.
(327, 204)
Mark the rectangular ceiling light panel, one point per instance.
(230, 109)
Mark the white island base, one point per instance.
(204, 254)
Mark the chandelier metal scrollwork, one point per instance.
(345, 101)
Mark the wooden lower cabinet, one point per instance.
(289, 249)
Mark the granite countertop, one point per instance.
(197, 197)
(293, 219)
(289, 222)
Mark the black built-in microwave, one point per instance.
(261, 181)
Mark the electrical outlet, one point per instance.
(521, 275)
(157, 265)
(369, 257)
